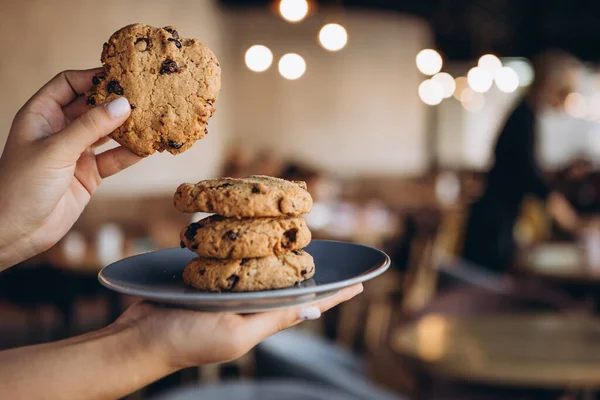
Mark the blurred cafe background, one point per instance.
(390, 111)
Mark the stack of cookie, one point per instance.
(255, 239)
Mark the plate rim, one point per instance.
(267, 294)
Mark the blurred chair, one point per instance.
(534, 224)
(362, 319)
(292, 354)
(262, 390)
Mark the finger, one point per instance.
(100, 142)
(66, 86)
(260, 326)
(115, 160)
(93, 125)
(76, 108)
(315, 311)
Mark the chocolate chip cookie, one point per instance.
(221, 237)
(249, 274)
(254, 196)
(171, 83)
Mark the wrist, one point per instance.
(10, 252)
(143, 357)
(141, 341)
(11, 244)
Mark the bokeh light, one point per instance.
(258, 58)
(471, 100)
(507, 80)
(429, 62)
(333, 37)
(576, 105)
(479, 79)
(431, 92)
(292, 66)
(523, 69)
(447, 82)
(490, 63)
(461, 84)
(293, 10)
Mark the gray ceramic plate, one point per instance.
(156, 276)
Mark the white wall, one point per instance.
(43, 37)
(355, 111)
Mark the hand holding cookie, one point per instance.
(49, 169)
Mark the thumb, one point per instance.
(91, 126)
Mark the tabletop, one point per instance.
(526, 350)
(559, 262)
(264, 390)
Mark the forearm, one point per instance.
(560, 209)
(9, 252)
(105, 364)
(12, 242)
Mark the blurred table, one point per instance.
(523, 350)
(267, 390)
(564, 264)
(561, 262)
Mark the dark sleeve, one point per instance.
(515, 169)
(534, 181)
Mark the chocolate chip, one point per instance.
(297, 252)
(302, 184)
(110, 50)
(177, 42)
(214, 218)
(132, 106)
(210, 101)
(190, 233)
(255, 190)
(174, 145)
(91, 101)
(244, 261)
(172, 31)
(290, 237)
(182, 245)
(95, 80)
(303, 272)
(194, 247)
(114, 87)
(224, 185)
(206, 131)
(233, 280)
(202, 271)
(168, 67)
(231, 235)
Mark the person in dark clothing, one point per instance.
(489, 240)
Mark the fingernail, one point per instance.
(118, 107)
(309, 313)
